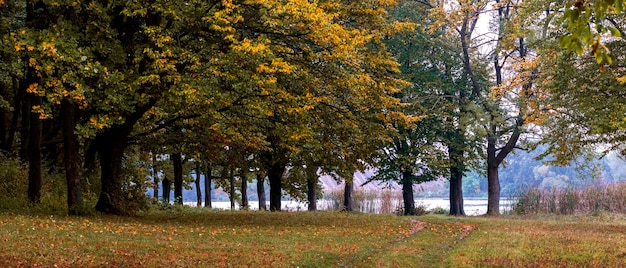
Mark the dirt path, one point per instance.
(357, 260)
(424, 244)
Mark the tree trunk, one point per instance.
(456, 192)
(260, 189)
(493, 198)
(110, 146)
(177, 160)
(4, 130)
(71, 158)
(34, 153)
(244, 193)
(407, 193)
(348, 196)
(231, 192)
(275, 175)
(155, 177)
(493, 181)
(25, 131)
(311, 193)
(311, 186)
(198, 190)
(208, 180)
(167, 188)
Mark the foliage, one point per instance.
(583, 114)
(416, 148)
(587, 22)
(13, 183)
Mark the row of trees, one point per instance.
(284, 90)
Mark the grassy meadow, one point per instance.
(199, 238)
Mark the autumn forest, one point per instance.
(100, 99)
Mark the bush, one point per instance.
(439, 211)
(13, 184)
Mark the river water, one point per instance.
(472, 207)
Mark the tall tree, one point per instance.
(462, 117)
(416, 154)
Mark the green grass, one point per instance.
(197, 238)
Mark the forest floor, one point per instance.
(199, 238)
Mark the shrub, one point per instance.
(439, 211)
(13, 184)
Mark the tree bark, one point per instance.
(167, 188)
(208, 180)
(407, 193)
(231, 192)
(244, 193)
(311, 193)
(493, 181)
(275, 175)
(348, 196)
(34, 153)
(177, 160)
(25, 128)
(260, 189)
(110, 146)
(311, 186)
(71, 158)
(198, 190)
(493, 192)
(456, 192)
(4, 130)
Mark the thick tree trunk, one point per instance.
(198, 190)
(348, 196)
(493, 181)
(208, 180)
(493, 198)
(407, 193)
(71, 158)
(311, 193)
(167, 188)
(456, 192)
(244, 193)
(110, 146)
(177, 160)
(260, 189)
(34, 154)
(275, 175)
